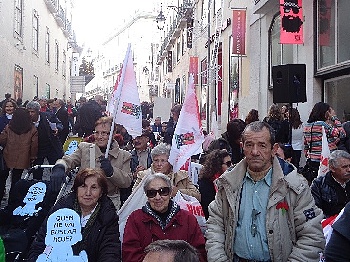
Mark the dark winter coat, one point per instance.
(103, 244)
(3, 122)
(338, 246)
(329, 195)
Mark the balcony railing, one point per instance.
(52, 5)
(60, 17)
(176, 26)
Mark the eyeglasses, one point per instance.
(103, 133)
(228, 163)
(163, 191)
(254, 227)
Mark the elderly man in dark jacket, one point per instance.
(332, 191)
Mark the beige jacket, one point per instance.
(292, 236)
(120, 160)
(179, 179)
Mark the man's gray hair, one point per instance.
(152, 177)
(336, 155)
(33, 105)
(258, 126)
(161, 149)
(183, 251)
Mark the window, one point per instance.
(35, 30)
(47, 90)
(56, 55)
(64, 57)
(332, 32)
(47, 46)
(19, 18)
(36, 85)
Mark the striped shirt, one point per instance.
(334, 133)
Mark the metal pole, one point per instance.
(208, 72)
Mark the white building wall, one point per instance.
(33, 63)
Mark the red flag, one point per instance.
(238, 31)
(291, 22)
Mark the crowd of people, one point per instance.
(256, 203)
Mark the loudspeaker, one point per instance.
(289, 83)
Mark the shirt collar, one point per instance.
(267, 179)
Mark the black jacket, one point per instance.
(103, 244)
(329, 195)
(338, 246)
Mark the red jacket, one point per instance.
(141, 229)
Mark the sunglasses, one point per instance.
(228, 163)
(163, 191)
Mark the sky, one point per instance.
(94, 20)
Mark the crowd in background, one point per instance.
(39, 128)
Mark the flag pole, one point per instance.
(116, 106)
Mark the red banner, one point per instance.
(238, 31)
(194, 68)
(291, 22)
(324, 21)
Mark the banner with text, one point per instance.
(238, 31)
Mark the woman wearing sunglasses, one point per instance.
(179, 180)
(216, 163)
(161, 218)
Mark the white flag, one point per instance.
(214, 125)
(125, 104)
(325, 153)
(188, 135)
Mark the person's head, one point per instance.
(58, 103)
(160, 155)
(274, 112)
(21, 121)
(9, 106)
(140, 142)
(234, 129)
(7, 95)
(175, 112)
(158, 191)
(284, 110)
(319, 112)
(33, 108)
(216, 162)
(285, 151)
(259, 146)
(146, 124)
(339, 165)
(252, 116)
(158, 121)
(89, 185)
(98, 99)
(164, 126)
(294, 118)
(102, 130)
(51, 103)
(170, 251)
(43, 101)
(82, 100)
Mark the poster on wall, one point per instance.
(291, 22)
(18, 82)
(238, 31)
(324, 21)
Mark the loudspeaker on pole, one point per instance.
(289, 83)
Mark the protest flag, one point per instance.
(188, 135)
(325, 153)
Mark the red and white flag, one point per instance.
(325, 153)
(188, 135)
(124, 103)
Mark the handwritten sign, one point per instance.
(63, 231)
(34, 196)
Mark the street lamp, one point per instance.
(160, 19)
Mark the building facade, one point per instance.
(36, 40)
(240, 82)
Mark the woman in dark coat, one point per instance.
(100, 232)
(216, 163)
